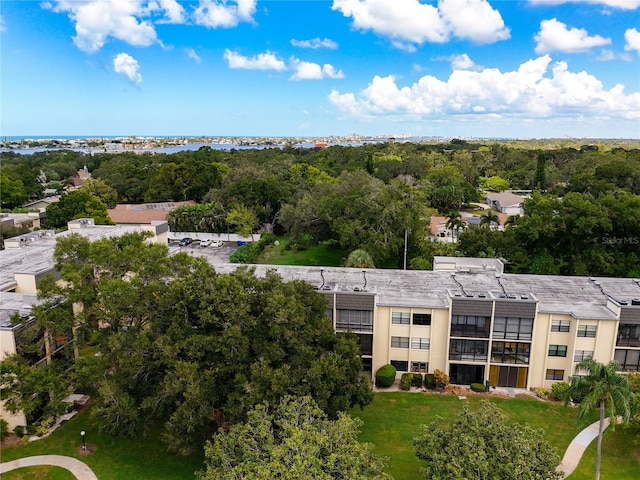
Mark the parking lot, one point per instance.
(212, 254)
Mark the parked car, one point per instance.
(185, 241)
(217, 243)
(205, 243)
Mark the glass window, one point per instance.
(628, 335)
(557, 350)
(588, 331)
(472, 350)
(580, 355)
(400, 342)
(419, 343)
(401, 365)
(366, 343)
(629, 360)
(400, 318)
(560, 325)
(513, 328)
(555, 374)
(470, 326)
(420, 367)
(510, 352)
(422, 319)
(357, 320)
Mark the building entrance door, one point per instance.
(515, 377)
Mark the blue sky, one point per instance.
(471, 68)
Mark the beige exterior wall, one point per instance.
(13, 420)
(26, 283)
(7, 344)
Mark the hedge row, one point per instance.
(248, 253)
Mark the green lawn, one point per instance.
(114, 458)
(39, 473)
(318, 255)
(393, 419)
(620, 457)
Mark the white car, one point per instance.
(206, 243)
(217, 243)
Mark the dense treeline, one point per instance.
(583, 220)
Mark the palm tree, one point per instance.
(605, 388)
(454, 222)
(360, 259)
(512, 221)
(488, 218)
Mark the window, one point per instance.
(361, 320)
(628, 335)
(400, 318)
(629, 360)
(367, 365)
(560, 325)
(555, 374)
(400, 342)
(366, 343)
(512, 328)
(418, 343)
(557, 350)
(588, 331)
(422, 319)
(473, 350)
(470, 326)
(510, 352)
(419, 367)
(401, 365)
(580, 355)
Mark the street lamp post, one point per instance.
(84, 445)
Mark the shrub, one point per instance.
(4, 428)
(543, 393)
(559, 390)
(416, 381)
(385, 376)
(430, 381)
(405, 381)
(442, 379)
(19, 430)
(247, 253)
(266, 239)
(477, 387)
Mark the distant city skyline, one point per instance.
(447, 68)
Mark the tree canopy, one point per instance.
(483, 444)
(183, 343)
(290, 441)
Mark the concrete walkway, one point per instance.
(76, 467)
(578, 445)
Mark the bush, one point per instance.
(543, 393)
(442, 379)
(19, 430)
(405, 381)
(477, 387)
(247, 253)
(416, 381)
(385, 376)
(4, 428)
(430, 381)
(266, 239)
(559, 390)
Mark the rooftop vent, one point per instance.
(635, 301)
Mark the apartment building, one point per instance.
(466, 317)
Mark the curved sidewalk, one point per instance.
(79, 469)
(578, 445)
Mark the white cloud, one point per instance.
(315, 43)
(173, 11)
(3, 26)
(408, 22)
(220, 13)
(126, 65)
(554, 36)
(632, 36)
(95, 20)
(536, 89)
(312, 71)
(622, 4)
(463, 62)
(262, 61)
(191, 53)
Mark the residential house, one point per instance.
(506, 202)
